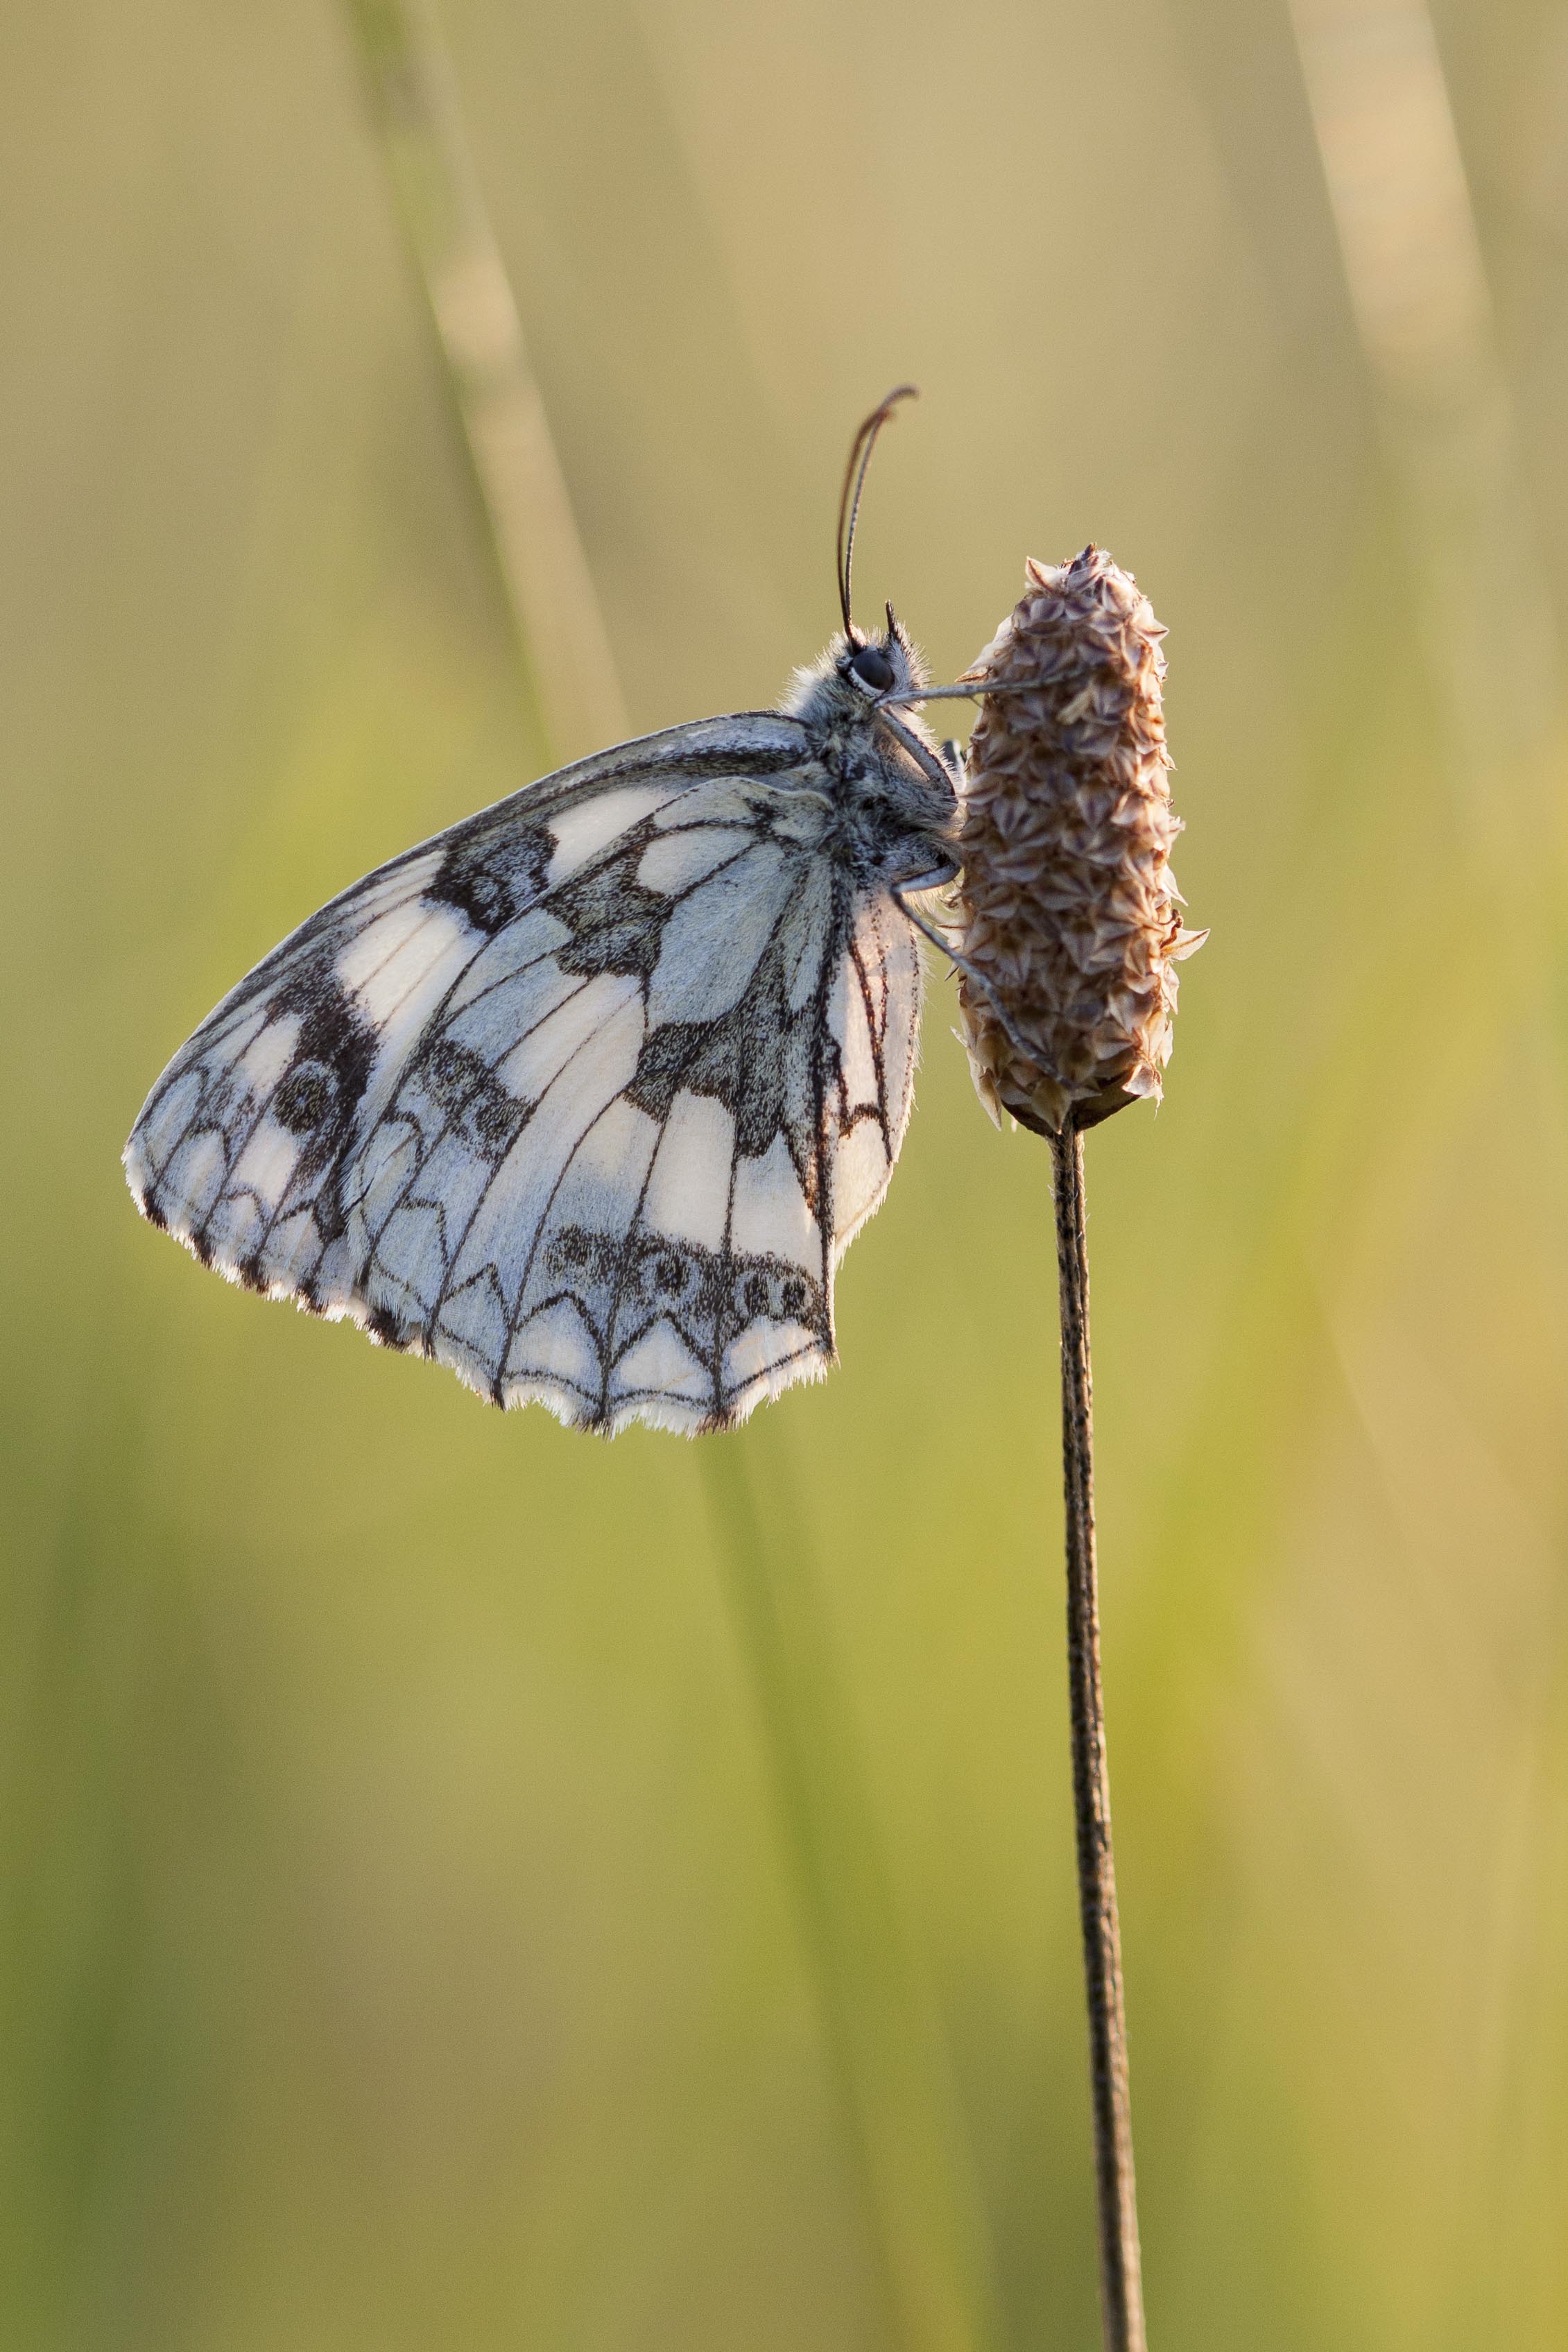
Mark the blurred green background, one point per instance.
(402, 1945)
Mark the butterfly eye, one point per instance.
(872, 667)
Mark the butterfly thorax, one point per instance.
(894, 807)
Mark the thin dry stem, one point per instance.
(1121, 2280)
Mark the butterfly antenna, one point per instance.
(854, 480)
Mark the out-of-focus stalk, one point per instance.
(1416, 278)
(544, 571)
(883, 2040)
(1415, 269)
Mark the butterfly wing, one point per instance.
(584, 1098)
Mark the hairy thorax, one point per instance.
(891, 804)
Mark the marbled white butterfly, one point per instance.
(588, 1096)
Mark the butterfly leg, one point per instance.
(961, 963)
(931, 764)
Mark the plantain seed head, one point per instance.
(1069, 924)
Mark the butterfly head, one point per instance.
(856, 673)
(879, 666)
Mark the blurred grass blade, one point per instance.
(1413, 262)
(1415, 267)
(544, 569)
(884, 2039)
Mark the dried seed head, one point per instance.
(1068, 909)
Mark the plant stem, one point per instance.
(1121, 2281)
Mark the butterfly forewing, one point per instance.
(584, 1098)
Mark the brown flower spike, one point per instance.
(1070, 929)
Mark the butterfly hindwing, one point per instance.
(874, 1017)
(584, 1098)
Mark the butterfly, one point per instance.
(587, 1097)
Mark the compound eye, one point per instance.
(872, 667)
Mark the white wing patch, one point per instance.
(687, 1199)
(585, 1098)
(592, 824)
(768, 1215)
(716, 937)
(873, 1012)
(674, 863)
